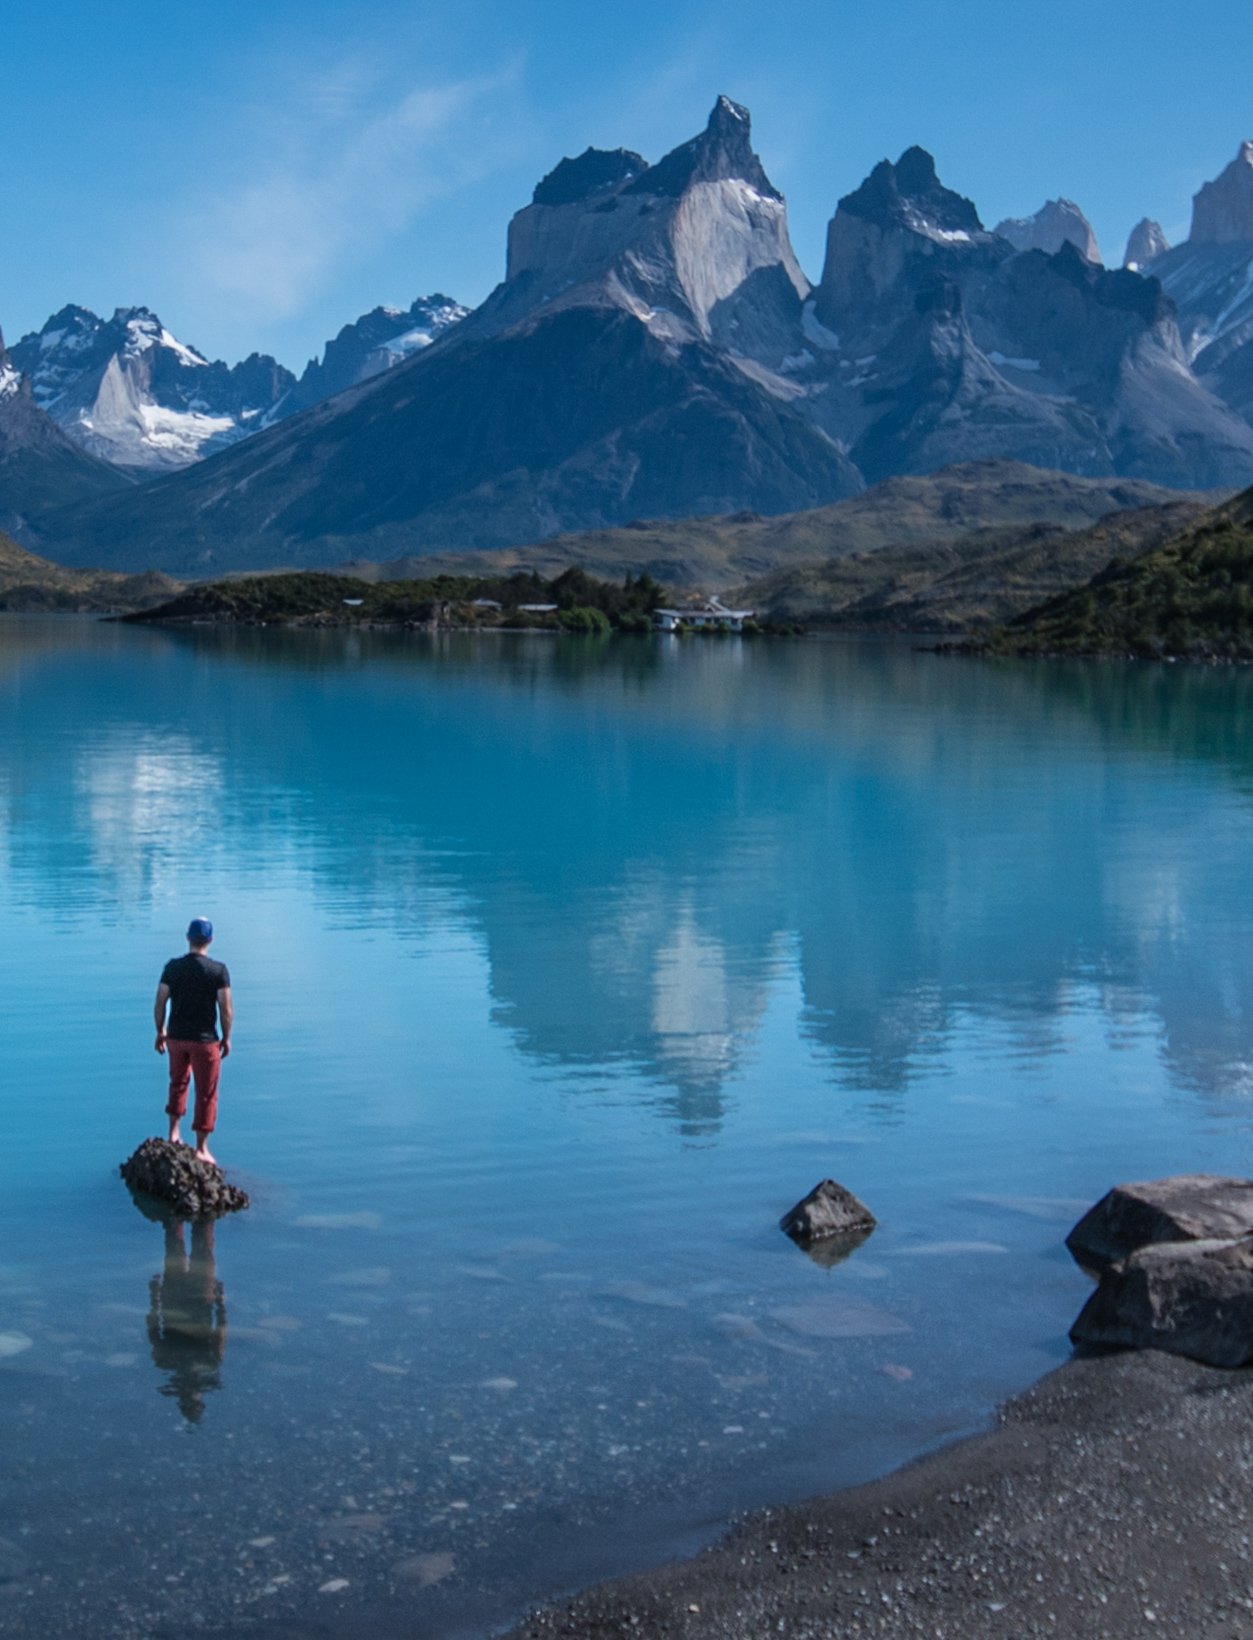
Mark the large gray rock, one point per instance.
(1187, 1207)
(829, 1214)
(174, 1174)
(1192, 1298)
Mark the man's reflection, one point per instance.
(187, 1317)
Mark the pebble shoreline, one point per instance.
(1113, 1499)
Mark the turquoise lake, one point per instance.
(562, 969)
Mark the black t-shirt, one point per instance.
(194, 982)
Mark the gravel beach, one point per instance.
(1115, 1498)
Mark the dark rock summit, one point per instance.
(173, 1173)
(595, 172)
(910, 194)
(723, 151)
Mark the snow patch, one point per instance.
(816, 332)
(186, 355)
(10, 381)
(999, 359)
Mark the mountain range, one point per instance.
(656, 351)
(127, 390)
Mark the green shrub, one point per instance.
(583, 619)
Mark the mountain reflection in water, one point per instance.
(642, 833)
(562, 969)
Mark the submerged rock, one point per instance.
(1192, 1298)
(1187, 1207)
(829, 1211)
(174, 1174)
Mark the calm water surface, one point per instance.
(562, 969)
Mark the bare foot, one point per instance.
(203, 1154)
(175, 1138)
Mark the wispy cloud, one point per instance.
(348, 165)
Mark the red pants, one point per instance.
(205, 1059)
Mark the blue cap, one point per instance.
(200, 930)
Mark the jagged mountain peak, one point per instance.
(1058, 222)
(910, 195)
(722, 152)
(597, 171)
(1145, 244)
(128, 391)
(674, 244)
(372, 344)
(1222, 210)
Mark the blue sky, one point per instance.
(262, 173)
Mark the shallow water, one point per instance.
(562, 969)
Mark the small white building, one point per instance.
(710, 612)
(537, 609)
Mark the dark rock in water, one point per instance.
(173, 1173)
(1192, 1298)
(1187, 1207)
(827, 1212)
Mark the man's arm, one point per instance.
(158, 1014)
(226, 1011)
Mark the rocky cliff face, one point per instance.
(1145, 244)
(1222, 210)
(128, 391)
(1210, 280)
(695, 247)
(1058, 222)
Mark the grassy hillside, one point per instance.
(717, 554)
(976, 580)
(1191, 598)
(30, 584)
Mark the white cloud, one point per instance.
(346, 167)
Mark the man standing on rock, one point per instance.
(198, 991)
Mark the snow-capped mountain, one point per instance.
(655, 350)
(1058, 222)
(41, 469)
(596, 384)
(130, 392)
(377, 341)
(1210, 280)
